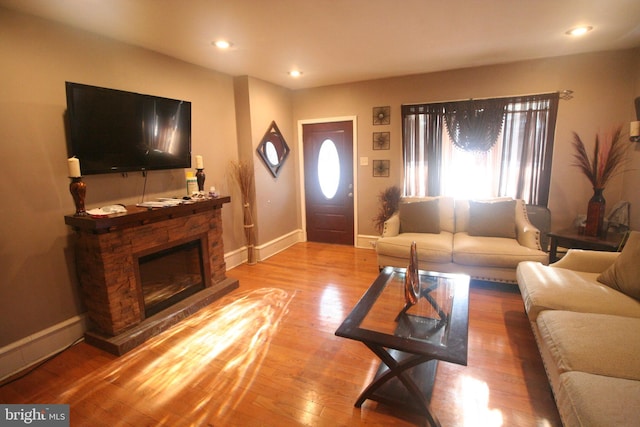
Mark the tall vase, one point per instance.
(595, 214)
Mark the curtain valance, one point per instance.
(476, 124)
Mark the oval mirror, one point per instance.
(271, 153)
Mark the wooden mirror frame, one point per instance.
(273, 149)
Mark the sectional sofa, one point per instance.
(485, 239)
(585, 314)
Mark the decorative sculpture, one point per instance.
(412, 279)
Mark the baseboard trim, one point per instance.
(366, 242)
(37, 347)
(275, 246)
(235, 258)
(239, 256)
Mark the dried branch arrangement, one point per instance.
(242, 174)
(389, 202)
(608, 156)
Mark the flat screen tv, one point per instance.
(113, 131)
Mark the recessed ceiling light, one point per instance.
(222, 44)
(295, 73)
(579, 31)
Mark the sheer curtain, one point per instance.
(470, 174)
(422, 134)
(529, 128)
(517, 165)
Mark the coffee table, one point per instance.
(410, 340)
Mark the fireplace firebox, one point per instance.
(170, 275)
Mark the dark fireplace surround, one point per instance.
(171, 257)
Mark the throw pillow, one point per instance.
(624, 274)
(420, 217)
(492, 219)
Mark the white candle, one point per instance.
(634, 129)
(74, 167)
(199, 163)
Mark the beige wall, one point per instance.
(277, 208)
(603, 83)
(631, 190)
(38, 287)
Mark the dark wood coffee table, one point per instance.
(410, 342)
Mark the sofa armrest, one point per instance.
(391, 226)
(527, 234)
(586, 260)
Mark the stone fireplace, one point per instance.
(143, 271)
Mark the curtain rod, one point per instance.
(564, 94)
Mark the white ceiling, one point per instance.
(339, 41)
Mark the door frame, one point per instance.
(303, 208)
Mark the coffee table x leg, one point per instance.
(396, 368)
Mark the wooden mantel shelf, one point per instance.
(136, 216)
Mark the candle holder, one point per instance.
(78, 190)
(200, 176)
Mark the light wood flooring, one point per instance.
(266, 355)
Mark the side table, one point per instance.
(571, 239)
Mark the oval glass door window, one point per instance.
(328, 169)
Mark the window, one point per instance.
(480, 149)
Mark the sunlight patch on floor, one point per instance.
(474, 394)
(218, 359)
(331, 304)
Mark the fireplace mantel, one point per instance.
(107, 253)
(136, 216)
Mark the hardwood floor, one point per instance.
(266, 355)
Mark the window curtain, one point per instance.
(422, 148)
(528, 136)
(526, 148)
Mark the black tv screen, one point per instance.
(117, 131)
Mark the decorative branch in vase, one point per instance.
(609, 154)
(389, 201)
(242, 174)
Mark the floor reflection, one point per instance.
(331, 304)
(474, 394)
(216, 361)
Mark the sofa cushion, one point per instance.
(492, 219)
(420, 217)
(596, 343)
(624, 274)
(545, 287)
(492, 251)
(594, 400)
(447, 210)
(431, 247)
(462, 211)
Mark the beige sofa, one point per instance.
(588, 333)
(484, 239)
